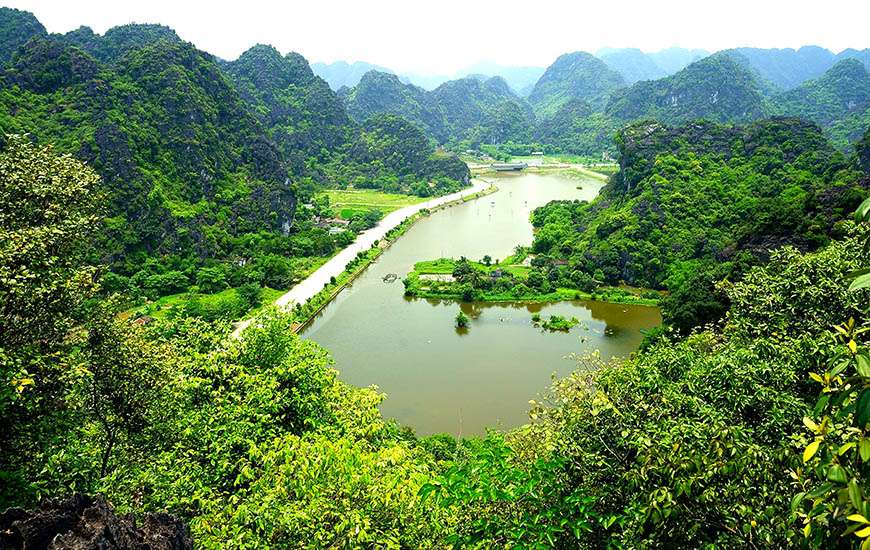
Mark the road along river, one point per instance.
(438, 379)
(315, 282)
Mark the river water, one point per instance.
(438, 379)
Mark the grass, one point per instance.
(607, 170)
(435, 267)
(163, 306)
(347, 202)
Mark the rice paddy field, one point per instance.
(347, 202)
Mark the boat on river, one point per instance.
(509, 166)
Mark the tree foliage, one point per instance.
(698, 204)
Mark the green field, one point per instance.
(347, 202)
(225, 302)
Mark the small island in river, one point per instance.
(519, 277)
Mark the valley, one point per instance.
(579, 297)
(440, 379)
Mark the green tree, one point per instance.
(696, 301)
(461, 320)
(47, 216)
(834, 482)
(123, 382)
(211, 279)
(251, 294)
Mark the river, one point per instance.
(438, 379)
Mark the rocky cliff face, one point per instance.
(84, 522)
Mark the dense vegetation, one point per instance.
(471, 110)
(383, 93)
(715, 88)
(732, 86)
(839, 101)
(542, 279)
(204, 163)
(700, 203)
(577, 75)
(16, 28)
(787, 68)
(305, 118)
(133, 165)
(719, 438)
(580, 101)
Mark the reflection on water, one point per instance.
(439, 378)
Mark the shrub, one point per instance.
(461, 320)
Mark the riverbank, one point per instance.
(442, 380)
(516, 279)
(308, 297)
(576, 171)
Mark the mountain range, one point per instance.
(197, 154)
(575, 105)
(521, 79)
(580, 100)
(481, 109)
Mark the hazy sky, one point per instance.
(446, 35)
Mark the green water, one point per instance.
(438, 379)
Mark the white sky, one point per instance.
(446, 35)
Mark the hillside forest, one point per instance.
(136, 168)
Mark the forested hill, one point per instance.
(304, 117)
(16, 28)
(699, 203)
(577, 75)
(383, 93)
(117, 40)
(480, 110)
(716, 88)
(782, 68)
(733, 86)
(342, 74)
(203, 162)
(633, 65)
(581, 100)
(312, 130)
(838, 100)
(484, 110)
(173, 141)
(786, 68)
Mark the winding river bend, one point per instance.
(437, 379)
